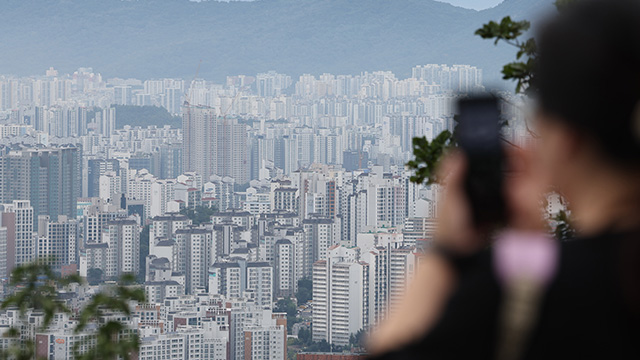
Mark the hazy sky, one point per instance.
(469, 4)
(474, 4)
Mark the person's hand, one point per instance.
(455, 229)
(435, 280)
(420, 307)
(429, 291)
(524, 187)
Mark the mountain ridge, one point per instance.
(167, 38)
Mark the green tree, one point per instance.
(35, 287)
(522, 70)
(320, 346)
(286, 306)
(304, 335)
(113, 339)
(199, 215)
(289, 307)
(427, 156)
(305, 292)
(357, 340)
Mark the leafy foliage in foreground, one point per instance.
(510, 31)
(428, 155)
(36, 288)
(112, 340)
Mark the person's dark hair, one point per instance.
(589, 73)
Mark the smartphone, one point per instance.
(478, 136)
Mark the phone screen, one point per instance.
(478, 135)
(478, 124)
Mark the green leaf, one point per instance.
(427, 156)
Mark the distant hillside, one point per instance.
(157, 38)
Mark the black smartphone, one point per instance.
(478, 135)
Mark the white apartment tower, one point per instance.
(391, 270)
(260, 282)
(238, 278)
(256, 333)
(57, 240)
(213, 146)
(285, 268)
(17, 217)
(340, 296)
(321, 234)
(162, 191)
(163, 228)
(110, 187)
(123, 238)
(194, 254)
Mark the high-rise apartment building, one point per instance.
(238, 278)
(214, 146)
(272, 84)
(123, 237)
(340, 296)
(162, 192)
(391, 270)
(118, 252)
(257, 333)
(200, 140)
(188, 343)
(3, 250)
(57, 241)
(194, 254)
(122, 95)
(48, 177)
(96, 216)
(110, 189)
(97, 168)
(17, 217)
(167, 161)
(285, 268)
(260, 283)
(321, 234)
(460, 78)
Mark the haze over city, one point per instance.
(237, 179)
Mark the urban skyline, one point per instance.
(318, 180)
(256, 191)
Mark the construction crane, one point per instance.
(187, 97)
(224, 114)
(187, 107)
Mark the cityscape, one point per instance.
(319, 180)
(268, 216)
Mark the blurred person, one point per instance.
(588, 149)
